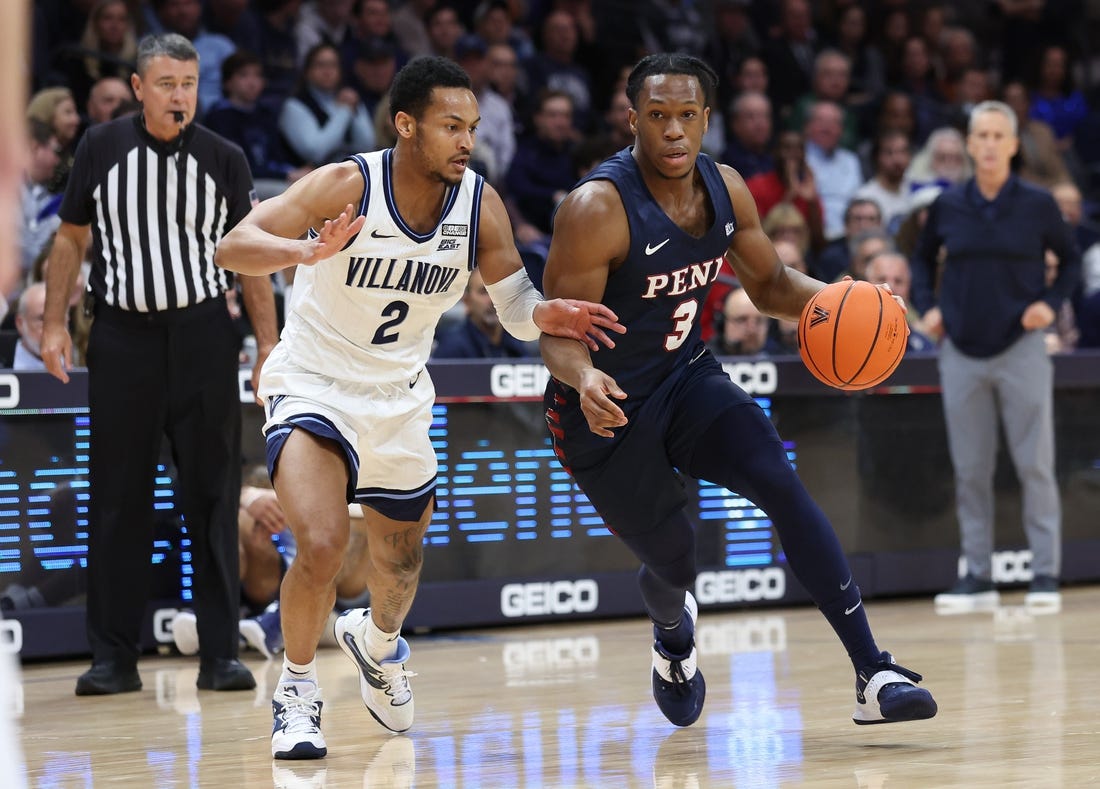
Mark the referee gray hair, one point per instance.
(994, 106)
(171, 45)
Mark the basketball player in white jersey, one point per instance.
(391, 238)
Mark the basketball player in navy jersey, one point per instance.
(390, 240)
(645, 233)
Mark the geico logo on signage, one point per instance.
(11, 636)
(518, 380)
(1009, 567)
(741, 586)
(753, 377)
(9, 391)
(747, 634)
(555, 597)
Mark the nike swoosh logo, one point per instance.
(412, 383)
(649, 250)
(846, 584)
(376, 234)
(848, 611)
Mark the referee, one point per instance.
(154, 194)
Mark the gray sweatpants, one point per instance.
(1019, 384)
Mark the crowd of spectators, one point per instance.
(845, 118)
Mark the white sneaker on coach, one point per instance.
(296, 733)
(384, 686)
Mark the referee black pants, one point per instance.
(151, 375)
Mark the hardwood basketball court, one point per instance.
(569, 705)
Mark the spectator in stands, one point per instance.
(831, 80)
(279, 47)
(374, 22)
(752, 76)
(740, 328)
(237, 20)
(748, 146)
(941, 162)
(958, 55)
(863, 246)
(39, 219)
(905, 239)
(862, 213)
(409, 27)
(542, 169)
(105, 97)
(327, 22)
(672, 26)
(891, 156)
(324, 121)
(1071, 203)
(252, 123)
(444, 29)
(555, 67)
(616, 121)
(107, 48)
(786, 223)
(56, 108)
(29, 313)
(918, 79)
(1086, 304)
(504, 79)
(185, 17)
(480, 335)
(373, 70)
(732, 40)
(784, 333)
(1055, 98)
(496, 135)
(836, 170)
(1039, 159)
(791, 181)
(493, 22)
(867, 80)
(892, 268)
(790, 55)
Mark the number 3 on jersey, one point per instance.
(395, 311)
(683, 317)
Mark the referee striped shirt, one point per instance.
(157, 211)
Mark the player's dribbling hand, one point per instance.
(596, 390)
(901, 302)
(334, 234)
(578, 320)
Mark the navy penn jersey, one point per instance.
(659, 289)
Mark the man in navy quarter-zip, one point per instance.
(992, 307)
(645, 233)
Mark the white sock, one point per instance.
(299, 672)
(380, 644)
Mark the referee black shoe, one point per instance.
(108, 677)
(224, 674)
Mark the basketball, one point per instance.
(852, 335)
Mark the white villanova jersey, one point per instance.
(369, 312)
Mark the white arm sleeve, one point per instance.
(515, 299)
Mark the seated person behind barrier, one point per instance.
(28, 323)
(892, 268)
(480, 335)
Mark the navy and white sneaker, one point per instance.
(888, 693)
(264, 632)
(296, 733)
(678, 686)
(384, 686)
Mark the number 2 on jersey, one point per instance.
(683, 318)
(396, 311)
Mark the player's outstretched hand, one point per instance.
(596, 390)
(901, 302)
(334, 234)
(578, 320)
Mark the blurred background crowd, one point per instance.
(845, 118)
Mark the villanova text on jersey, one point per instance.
(411, 276)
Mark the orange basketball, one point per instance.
(852, 335)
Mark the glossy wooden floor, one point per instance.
(569, 706)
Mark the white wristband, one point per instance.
(515, 299)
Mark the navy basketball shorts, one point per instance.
(634, 479)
